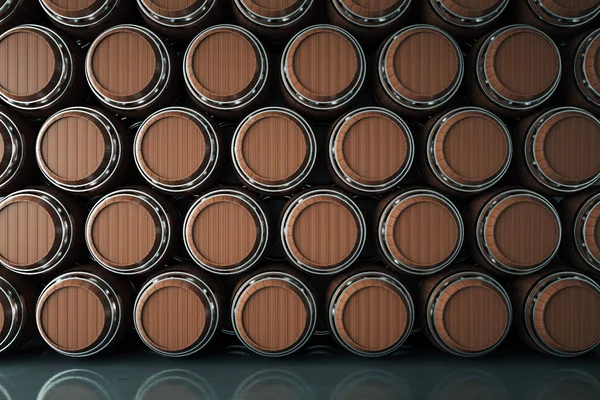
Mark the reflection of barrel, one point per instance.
(363, 384)
(179, 311)
(472, 384)
(175, 382)
(464, 312)
(419, 231)
(370, 312)
(54, 243)
(572, 383)
(273, 383)
(77, 383)
(580, 217)
(512, 230)
(274, 311)
(557, 311)
(84, 311)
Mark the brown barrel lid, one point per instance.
(274, 150)
(565, 314)
(12, 314)
(34, 231)
(519, 231)
(273, 13)
(226, 67)
(123, 78)
(591, 231)
(78, 13)
(469, 149)
(587, 67)
(12, 149)
(127, 231)
(562, 149)
(178, 13)
(176, 149)
(77, 314)
(519, 67)
(421, 67)
(323, 67)
(274, 313)
(78, 149)
(371, 149)
(469, 314)
(371, 13)
(371, 313)
(322, 231)
(37, 67)
(421, 231)
(176, 314)
(226, 231)
(469, 13)
(565, 13)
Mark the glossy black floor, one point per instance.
(320, 372)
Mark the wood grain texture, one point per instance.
(74, 315)
(567, 9)
(273, 8)
(173, 8)
(422, 231)
(179, 310)
(30, 231)
(75, 8)
(272, 315)
(566, 148)
(371, 148)
(30, 66)
(465, 312)
(322, 64)
(124, 64)
(522, 232)
(522, 64)
(274, 148)
(224, 233)
(173, 315)
(173, 148)
(566, 316)
(223, 64)
(124, 231)
(75, 147)
(17, 152)
(472, 148)
(433, 67)
(372, 315)
(587, 69)
(372, 8)
(323, 232)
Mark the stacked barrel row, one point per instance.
(281, 170)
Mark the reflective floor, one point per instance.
(320, 373)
